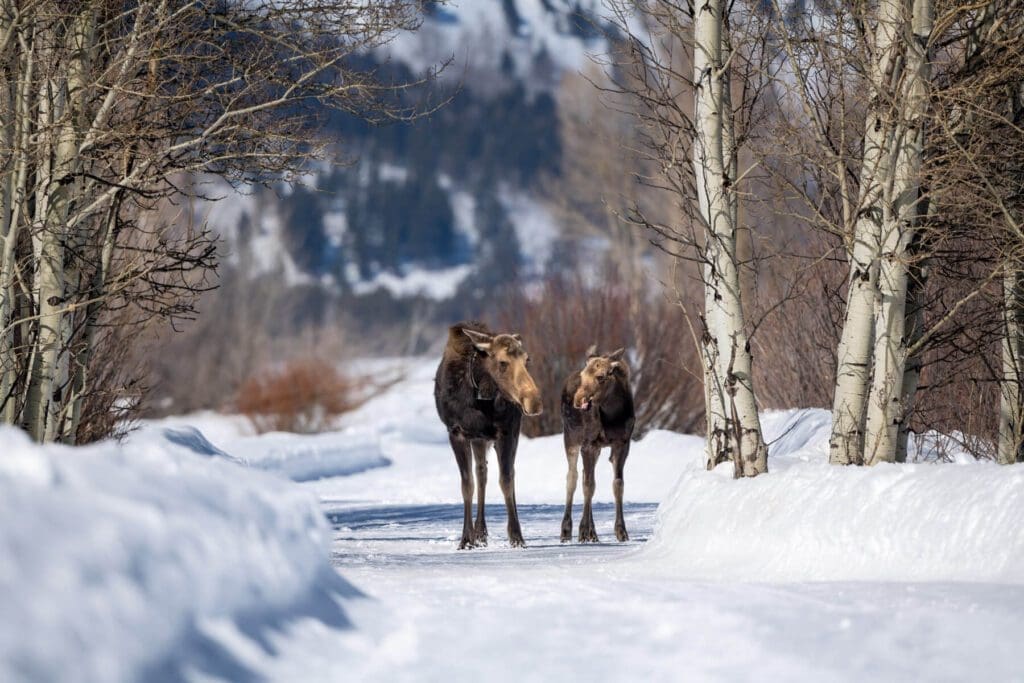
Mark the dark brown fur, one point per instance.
(597, 412)
(480, 389)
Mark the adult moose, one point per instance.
(597, 411)
(481, 389)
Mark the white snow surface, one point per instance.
(166, 559)
(809, 521)
(125, 563)
(300, 457)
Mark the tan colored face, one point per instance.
(505, 360)
(596, 378)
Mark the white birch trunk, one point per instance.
(8, 231)
(63, 95)
(80, 43)
(717, 434)
(717, 446)
(718, 210)
(854, 353)
(17, 182)
(48, 285)
(1011, 404)
(886, 411)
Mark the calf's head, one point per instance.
(504, 359)
(598, 377)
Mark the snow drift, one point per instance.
(147, 561)
(809, 521)
(299, 457)
(307, 457)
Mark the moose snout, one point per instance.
(532, 406)
(580, 401)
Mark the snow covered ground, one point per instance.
(810, 573)
(144, 562)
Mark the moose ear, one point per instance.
(616, 354)
(592, 351)
(480, 340)
(517, 337)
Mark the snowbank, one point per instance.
(150, 560)
(299, 457)
(307, 457)
(809, 521)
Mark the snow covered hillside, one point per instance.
(169, 557)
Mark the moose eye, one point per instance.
(602, 378)
(503, 366)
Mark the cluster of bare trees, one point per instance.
(895, 131)
(114, 114)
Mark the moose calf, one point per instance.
(481, 389)
(597, 411)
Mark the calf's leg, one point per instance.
(572, 454)
(480, 457)
(619, 454)
(588, 534)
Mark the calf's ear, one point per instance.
(592, 351)
(616, 354)
(480, 340)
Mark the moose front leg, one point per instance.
(619, 454)
(506, 447)
(462, 458)
(588, 534)
(480, 457)
(572, 454)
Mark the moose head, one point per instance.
(505, 360)
(598, 377)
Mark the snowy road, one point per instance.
(555, 612)
(605, 612)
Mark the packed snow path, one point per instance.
(605, 612)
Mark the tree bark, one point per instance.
(854, 353)
(728, 346)
(916, 285)
(17, 181)
(886, 411)
(62, 100)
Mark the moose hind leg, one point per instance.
(480, 458)
(462, 458)
(588, 534)
(619, 455)
(572, 454)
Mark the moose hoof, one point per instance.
(588, 535)
(516, 542)
(566, 530)
(480, 537)
(620, 533)
(467, 543)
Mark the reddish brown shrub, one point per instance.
(798, 317)
(302, 396)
